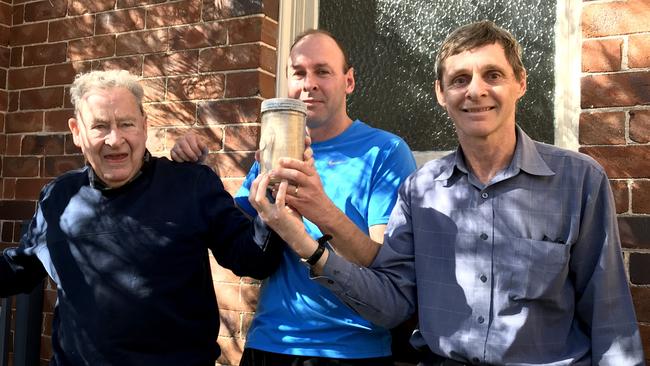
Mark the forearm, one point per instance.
(347, 240)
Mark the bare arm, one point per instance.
(307, 196)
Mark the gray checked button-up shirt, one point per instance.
(526, 270)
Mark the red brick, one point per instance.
(133, 64)
(4, 101)
(230, 325)
(142, 42)
(29, 77)
(20, 166)
(232, 185)
(602, 128)
(42, 145)
(67, 103)
(72, 27)
(5, 14)
(212, 137)
(16, 56)
(634, 231)
(54, 166)
(229, 111)
(622, 161)
(221, 274)
(641, 299)
(57, 120)
(5, 57)
(639, 51)
(78, 7)
(28, 34)
(241, 138)
(91, 48)
(640, 126)
(213, 10)
(612, 18)
(41, 98)
(197, 36)
(45, 10)
(156, 141)
(64, 74)
(131, 3)
(250, 84)
(615, 90)
(13, 144)
(247, 30)
(171, 114)
(154, 89)
(601, 55)
(18, 13)
(639, 264)
(231, 350)
(29, 189)
(5, 35)
(176, 63)
(641, 196)
(24, 122)
(621, 195)
(248, 56)
(177, 13)
(9, 189)
(7, 231)
(70, 147)
(14, 98)
(228, 165)
(228, 296)
(50, 53)
(120, 21)
(195, 87)
(16, 210)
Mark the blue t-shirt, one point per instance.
(361, 170)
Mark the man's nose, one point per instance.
(477, 87)
(114, 137)
(309, 83)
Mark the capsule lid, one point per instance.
(275, 104)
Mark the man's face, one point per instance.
(479, 91)
(316, 77)
(111, 132)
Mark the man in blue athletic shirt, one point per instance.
(348, 194)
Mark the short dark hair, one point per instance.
(474, 35)
(346, 59)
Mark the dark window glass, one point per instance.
(392, 45)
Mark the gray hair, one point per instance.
(83, 83)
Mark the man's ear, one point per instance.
(73, 125)
(522, 84)
(349, 81)
(440, 96)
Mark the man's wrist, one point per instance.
(318, 253)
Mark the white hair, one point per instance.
(83, 83)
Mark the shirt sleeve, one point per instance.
(395, 164)
(20, 268)
(385, 293)
(247, 248)
(603, 301)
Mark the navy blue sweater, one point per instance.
(131, 266)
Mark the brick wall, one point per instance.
(615, 126)
(207, 65)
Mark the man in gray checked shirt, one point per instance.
(508, 248)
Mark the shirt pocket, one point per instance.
(538, 270)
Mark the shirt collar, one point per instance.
(97, 183)
(526, 158)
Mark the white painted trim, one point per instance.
(295, 16)
(568, 66)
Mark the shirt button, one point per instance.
(483, 278)
(484, 195)
(484, 236)
(480, 320)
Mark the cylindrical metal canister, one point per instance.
(283, 131)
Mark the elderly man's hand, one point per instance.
(285, 221)
(189, 148)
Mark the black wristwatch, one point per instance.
(322, 243)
